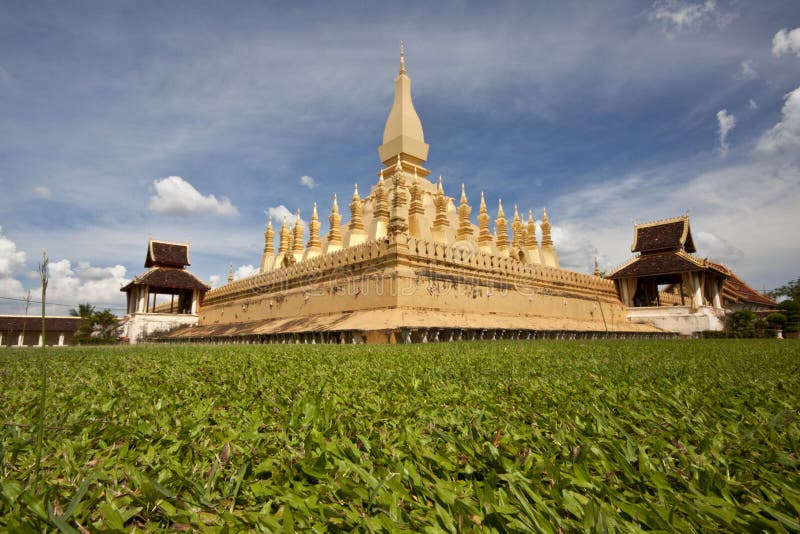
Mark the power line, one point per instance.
(48, 303)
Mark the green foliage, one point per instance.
(777, 320)
(98, 329)
(791, 290)
(791, 309)
(686, 436)
(741, 323)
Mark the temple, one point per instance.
(666, 285)
(409, 265)
(165, 296)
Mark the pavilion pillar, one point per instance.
(61, 340)
(142, 299)
(715, 296)
(194, 301)
(698, 290)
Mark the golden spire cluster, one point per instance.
(412, 205)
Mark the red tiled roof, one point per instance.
(166, 254)
(16, 323)
(670, 234)
(736, 288)
(168, 278)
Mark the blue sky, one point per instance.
(604, 112)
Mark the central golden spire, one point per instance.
(403, 131)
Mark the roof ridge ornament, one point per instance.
(402, 58)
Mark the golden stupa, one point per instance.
(410, 266)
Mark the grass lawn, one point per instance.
(508, 436)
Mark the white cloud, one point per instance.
(11, 259)
(676, 15)
(307, 181)
(42, 192)
(753, 105)
(279, 212)
(174, 195)
(786, 42)
(713, 246)
(213, 280)
(244, 271)
(99, 286)
(747, 69)
(727, 122)
(785, 134)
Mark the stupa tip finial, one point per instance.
(463, 194)
(530, 215)
(314, 212)
(355, 192)
(544, 215)
(483, 201)
(402, 58)
(500, 208)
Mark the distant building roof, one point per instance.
(168, 278)
(736, 290)
(667, 234)
(166, 254)
(16, 323)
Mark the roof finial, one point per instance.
(402, 59)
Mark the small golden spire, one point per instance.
(484, 236)
(269, 238)
(297, 241)
(313, 230)
(230, 273)
(381, 200)
(465, 229)
(334, 234)
(501, 226)
(286, 236)
(596, 267)
(547, 241)
(402, 58)
(398, 223)
(440, 201)
(530, 241)
(518, 228)
(416, 207)
(355, 211)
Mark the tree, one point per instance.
(790, 290)
(98, 327)
(741, 323)
(83, 310)
(791, 309)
